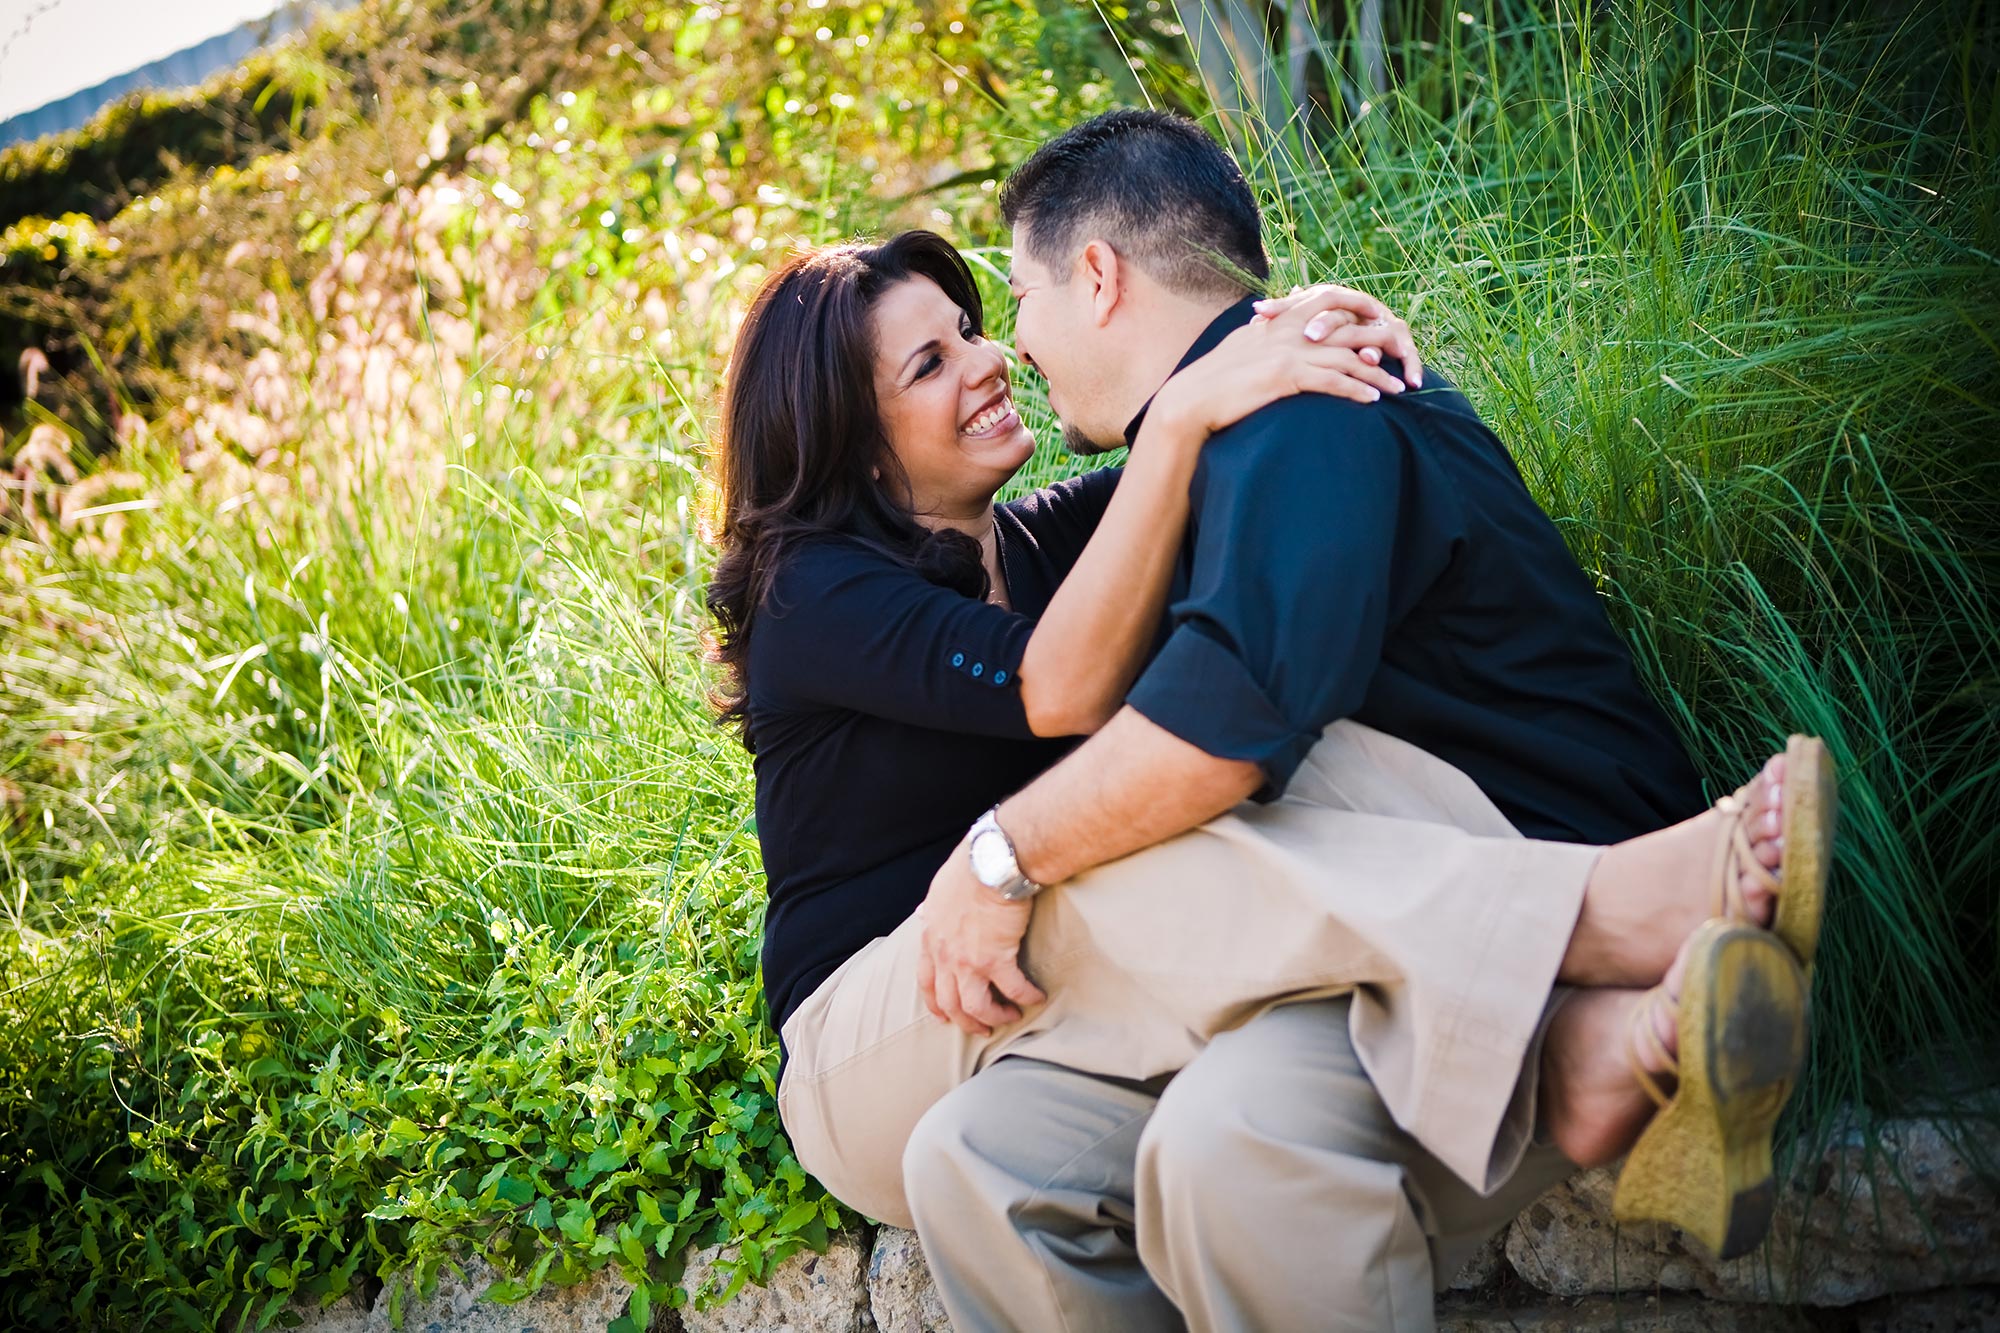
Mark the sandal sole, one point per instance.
(1811, 806)
(1704, 1163)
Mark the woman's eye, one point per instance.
(928, 365)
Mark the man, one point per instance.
(1403, 579)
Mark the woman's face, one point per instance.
(943, 397)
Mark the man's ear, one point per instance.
(1106, 279)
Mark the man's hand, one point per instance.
(972, 947)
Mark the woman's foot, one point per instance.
(1592, 1105)
(1646, 895)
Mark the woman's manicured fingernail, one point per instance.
(1374, 395)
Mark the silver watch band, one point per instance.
(993, 860)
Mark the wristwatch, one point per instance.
(993, 860)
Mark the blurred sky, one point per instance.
(51, 48)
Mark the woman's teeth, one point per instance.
(989, 419)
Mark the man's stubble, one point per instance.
(1081, 445)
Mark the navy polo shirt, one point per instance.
(886, 718)
(1386, 562)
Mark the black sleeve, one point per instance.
(1304, 528)
(847, 627)
(1061, 517)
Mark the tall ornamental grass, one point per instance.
(1725, 280)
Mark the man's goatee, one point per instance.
(1082, 445)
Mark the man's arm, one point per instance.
(1129, 786)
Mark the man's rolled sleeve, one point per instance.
(1200, 691)
(1302, 555)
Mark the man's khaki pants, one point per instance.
(1382, 871)
(1265, 1189)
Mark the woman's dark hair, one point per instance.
(802, 450)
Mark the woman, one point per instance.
(903, 653)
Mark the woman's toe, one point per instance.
(1767, 845)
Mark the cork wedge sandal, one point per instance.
(1806, 824)
(1704, 1163)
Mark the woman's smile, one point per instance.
(994, 419)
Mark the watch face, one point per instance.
(992, 862)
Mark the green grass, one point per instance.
(1726, 285)
(374, 876)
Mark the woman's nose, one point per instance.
(985, 364)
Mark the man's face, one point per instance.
(1054, 332)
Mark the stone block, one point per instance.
(456, 1306)
(1901, 1210)
(346, 1315)
(1627, 1314)
(807, 1293)
(901, 1295)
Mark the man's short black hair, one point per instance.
(1155, 185)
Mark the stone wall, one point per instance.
(1893, 1232)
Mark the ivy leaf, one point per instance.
(798, 1215)
(577, 1222)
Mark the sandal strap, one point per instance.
(1647, 1031)
(1734, 858)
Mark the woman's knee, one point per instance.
(860, 1165)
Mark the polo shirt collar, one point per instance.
(1218, 328)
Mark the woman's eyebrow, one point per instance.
(930, 346)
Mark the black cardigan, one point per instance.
(887, 718)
